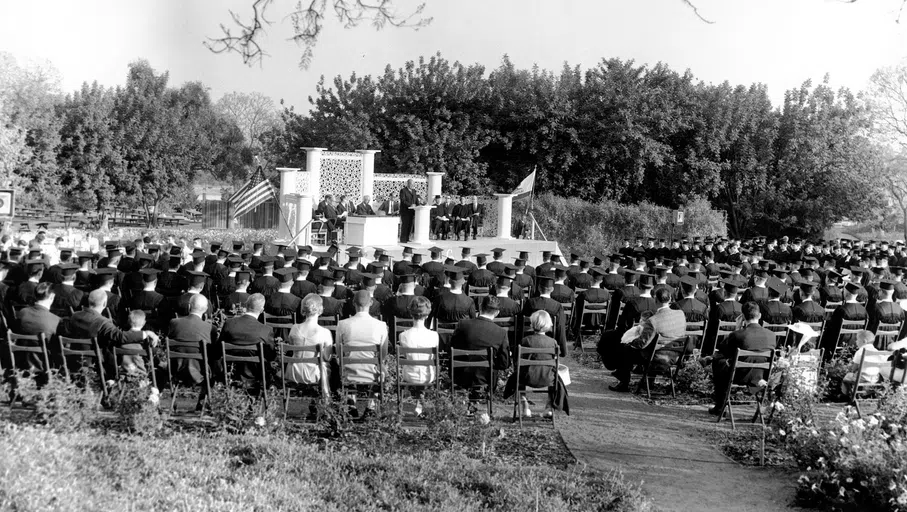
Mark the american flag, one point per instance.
(253, 192)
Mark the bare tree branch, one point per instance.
(690, 4)
(307, 18)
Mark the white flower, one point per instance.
(782, 432)
(155, 391)
(154, 398)
(260, 421)
(484, 419)
(779, 406)
(762, 383)
(142, 383)
(873, 421)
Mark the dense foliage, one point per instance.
(618, 131)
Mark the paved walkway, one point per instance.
(667, 448)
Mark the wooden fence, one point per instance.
(216, 213)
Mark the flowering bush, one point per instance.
(852, 463)
(137, 404)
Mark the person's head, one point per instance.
(312, 306)
(366, 199)
(44, 294)
(136, 319)
(409, 183)
(662, 296)
(419, 308)
(865, 337)
(751, 312)
(540, 321)
(490, 306)
(328, 198)
(463, 199)
(97, 300)
(255, 304)
(198, 305)
(362, 301)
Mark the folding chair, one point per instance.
(174, 357)
(297, 354)
(520, 362)
(366, 354)
(871, 358)
(670, 372)
(780, 331)
(759, 394)
(258, 359)
(445, 331)
(63, 312)
(886, 334)
(724, 329)
(144, 352)
(568, 314)
(82, 348)
(400, 324)
(477, 291)
(830, 308)
(697, 330)
(330, 322)
(848, 327)
(26, 344)
(279, 324)
(482, 358)
(596, 309)
(432, 363)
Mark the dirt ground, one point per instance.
(668, 448)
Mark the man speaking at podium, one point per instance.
(408, 198)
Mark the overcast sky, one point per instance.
(777, 42)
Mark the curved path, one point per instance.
(667, 448)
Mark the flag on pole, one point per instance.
(253, 192)
(525, 186)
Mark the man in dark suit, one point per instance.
(37, 319)
(850, 310)
(365, 207)
(694, 310)
(408, 198)
(247, 330)
(883, 309)
(751, 337)
(191, 328)
(90, 323)
(478, 334)
(67, 295)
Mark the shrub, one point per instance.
(695, 378)
(138, 405)
(589, 228)
(61, 404)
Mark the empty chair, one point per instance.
(181, 354)
(33, 358)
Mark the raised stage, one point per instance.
(453, 248)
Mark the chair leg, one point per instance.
(730, 413)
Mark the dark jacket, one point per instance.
(478, 334)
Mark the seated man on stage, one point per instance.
(365, 207)
(440, 221)
(462, 218)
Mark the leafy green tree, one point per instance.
(28, 92)
(93, 172)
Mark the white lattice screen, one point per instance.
(390, 185)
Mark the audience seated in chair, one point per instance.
(752, 337)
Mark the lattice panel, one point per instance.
(341, 174)
(390, 185)
(302, 182)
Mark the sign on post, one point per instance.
(678, 217)
(7, 204)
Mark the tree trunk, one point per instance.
(904, 210)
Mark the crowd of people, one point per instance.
(133, 291)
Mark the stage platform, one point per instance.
(453, 248)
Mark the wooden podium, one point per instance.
(372, 231)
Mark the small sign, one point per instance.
(678, 216)
(7, 208)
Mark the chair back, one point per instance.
(367, 354)
(233, 358)
(286, 348)
(329, 322)
(887, 334)
(279, 321)
(697, 328)
(64, 312)
(780, 331)
(14, 344)
(403, 360)
(480, 358)
(768, 354)
(871, 359)
(477, 291)
(145, 352)
(830, 308)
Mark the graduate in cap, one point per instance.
(884, 309)
(196, 283)
(808, 310)
(774, 311)
(265, 284)
(850, 310)
(282, 301)
(594, 295)
(332, 307)
(171, 284)
(67, 298)
(727, 310)
(497, 266)
(635, 308)
(452, 304)
(468, 266)
(544, 302)
(624, 294)
(693, 309)
(562, 293)
(397, 306)
(240, 293)
(434, 268)
(301, 285)
(759, 291)
(481, 277)
(25, 292)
